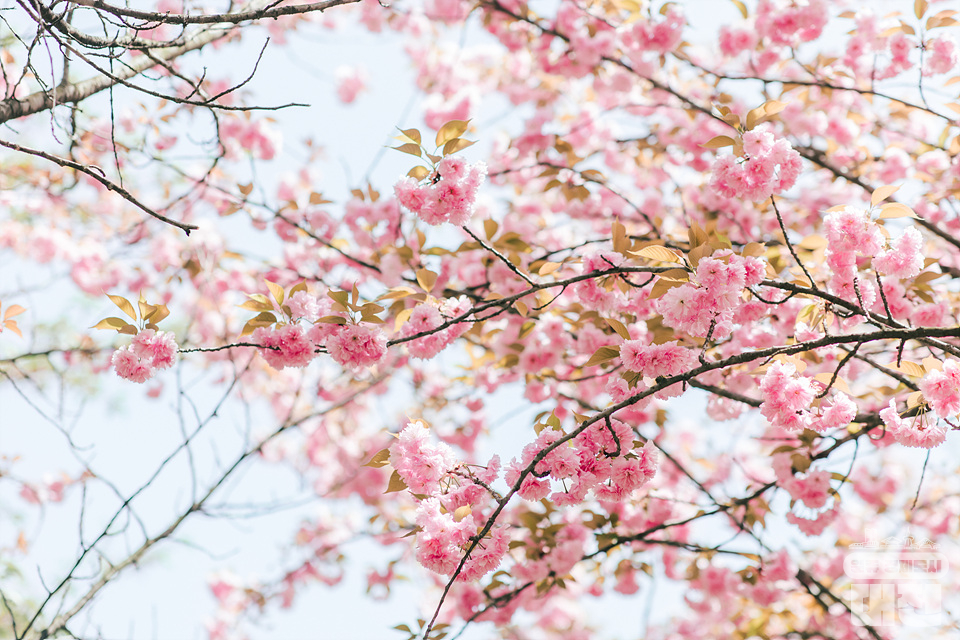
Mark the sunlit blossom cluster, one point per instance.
(770, 166)
(149, 352)
(448, 197)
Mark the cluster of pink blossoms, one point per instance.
(771, 167)
(787, 398)
(851, 233)
(357, 346)
(712, 297)
(790, 23)
(941, 389)
(288, 345)
(427, 317)
(291, 345)
(442, 541)
(852, 237)
(448, 517)
(149, 352)
(904, 258)
(941, 56)
(420, 464)
(608, 461)
(922, 431)
(448, 195)
(941, 392)
(655, 360)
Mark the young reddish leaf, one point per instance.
(12, 326)
(124, 305)
(742, 7)
(451, 130)
(461, 512)
(332, 320)
(490, 227)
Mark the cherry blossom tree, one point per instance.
(712, 250)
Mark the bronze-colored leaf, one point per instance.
(601, 355)
(124, 305)
(490, 227)
(412, 134)
(619, 327)
(548, 267)
(659, 253)
(396, 483)
(111, 323)
(718, 142)
(380, 459)
(896, 210)
(882, 193)
(276, 291)
(451, 130)
(426, 279)
(412, 149)
(455, 145)
(419, 172)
